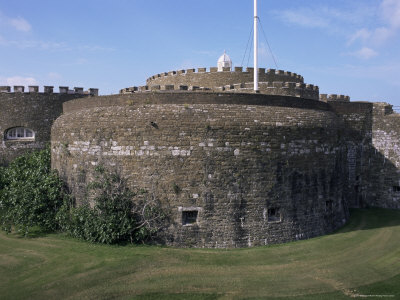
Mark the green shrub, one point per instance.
(112, 213)
(31, 193)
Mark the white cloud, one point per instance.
(18, 80)
(375, 37)
(52, 46)
(362, 34)
(390, 11)
(324, 16)
(304, 17)
(365, 53)
(20, 24)
(28, 44)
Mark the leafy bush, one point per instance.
(31, 193)
(112, 213)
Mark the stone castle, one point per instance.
(231, 167)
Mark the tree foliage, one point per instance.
(31, 194)
(112, 213)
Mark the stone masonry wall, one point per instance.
(190, 97)
(36, 111)
(213, 78)
(356, 139)
(371, 138)
(383, 188)
(254, 174)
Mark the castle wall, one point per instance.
(35, 111)
(190, 97)
(371, 138)
(383, 187)
(356, 140)
(213, 78)
(255, 173)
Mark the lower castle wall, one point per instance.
(230, 163)
(35, 111)
(383, 187)
(372, 140)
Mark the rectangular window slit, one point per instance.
(274, 215)
(189, 217)
(329, 206)
(396, 188)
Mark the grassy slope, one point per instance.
(361, 258)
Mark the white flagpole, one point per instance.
(255, 47)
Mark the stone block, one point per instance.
(63, 89)
(33, 89)
(19, 89)
(48, 89)
(155, 87)
(78, 90)
(95, 92)
(5, 89)
(168, 87)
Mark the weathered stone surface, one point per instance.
(231, 162)
(232, 168)
(215, 79)
(35, 111)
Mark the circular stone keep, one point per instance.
(241, 170)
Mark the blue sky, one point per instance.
(347, 47)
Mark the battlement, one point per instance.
(212, 78)
(334, 97)
(168, 87)
(301, 90)
(228, 70)
(49, 90)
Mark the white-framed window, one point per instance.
(20, 133)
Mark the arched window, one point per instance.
(19, 133)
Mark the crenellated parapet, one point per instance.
(213, 78)
(301, 90)
(334, 97)
(49, 90)
(165, 88)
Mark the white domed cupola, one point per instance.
(224, 62)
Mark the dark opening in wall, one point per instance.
(189, 217)
(329, 206)
(396, 188)
(274, 215)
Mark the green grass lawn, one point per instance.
(363, 258)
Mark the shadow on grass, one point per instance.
(371, 218)
(34, 232)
